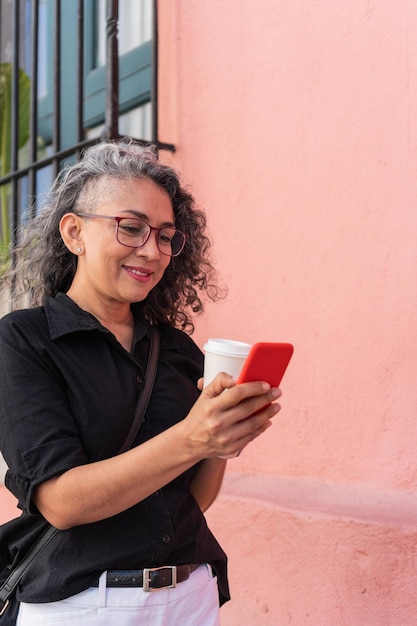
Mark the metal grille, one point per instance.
(19, 41)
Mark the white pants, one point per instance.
(194, 602)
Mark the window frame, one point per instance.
(135, 74)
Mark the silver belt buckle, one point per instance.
(147, 578)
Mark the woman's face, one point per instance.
(111, 271)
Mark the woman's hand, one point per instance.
(224, 420)
(227, 417)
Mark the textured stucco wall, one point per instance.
(296, 126)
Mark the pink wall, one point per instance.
(296, 126)
(8, 504)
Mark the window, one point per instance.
(75, 85)
(135, 59)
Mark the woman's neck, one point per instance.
(116, 317)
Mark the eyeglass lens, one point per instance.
(134, 233)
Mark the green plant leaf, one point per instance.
(6, 74)
(6, 77)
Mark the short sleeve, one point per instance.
(38, 436)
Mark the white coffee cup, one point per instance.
(224, 355)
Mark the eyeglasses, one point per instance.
(134, 233)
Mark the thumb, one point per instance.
(221, 382)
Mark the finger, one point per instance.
(221, 382)
(256, 405)
(258, 423)
(245, 441)
(252, 390)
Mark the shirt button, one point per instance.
(139, 379)
(166, 538)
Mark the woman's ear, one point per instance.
(70, 228)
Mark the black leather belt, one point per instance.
(151, 578)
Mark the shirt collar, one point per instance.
(64, 316)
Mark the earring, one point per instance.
(78, 250)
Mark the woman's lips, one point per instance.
(138, 273)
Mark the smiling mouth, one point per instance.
(140, 273)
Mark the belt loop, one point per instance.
(102, 590)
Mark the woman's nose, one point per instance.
(150, 248)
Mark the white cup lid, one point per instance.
(227, 347)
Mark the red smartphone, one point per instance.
(266, 362)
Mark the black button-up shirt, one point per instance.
(68, 396)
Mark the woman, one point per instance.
(119, 248)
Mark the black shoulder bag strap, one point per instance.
(143, 401)
(10, 584)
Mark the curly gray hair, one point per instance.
(44, 265)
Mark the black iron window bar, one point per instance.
(111, 122)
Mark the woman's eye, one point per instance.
(165, 238)
(132, 229)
